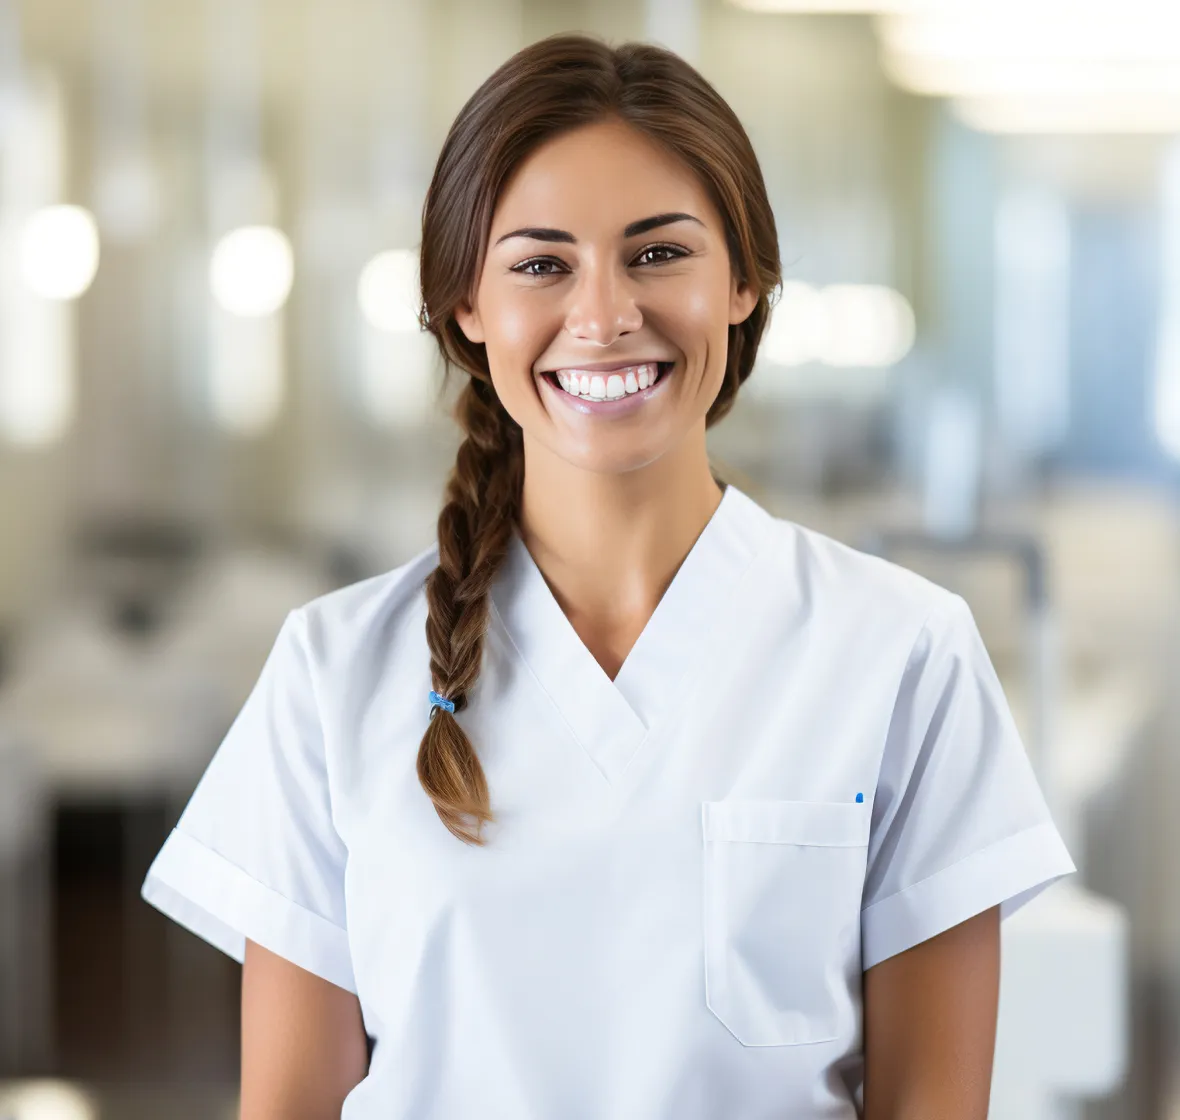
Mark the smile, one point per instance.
(608, 384)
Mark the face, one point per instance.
(605, 300)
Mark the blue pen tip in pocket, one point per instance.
(860, 798)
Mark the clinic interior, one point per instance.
(216, 404)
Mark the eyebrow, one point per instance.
(537, 233)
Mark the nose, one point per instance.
(602, 305)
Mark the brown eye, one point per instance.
(670, 253)
(527, 268)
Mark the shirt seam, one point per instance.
(951, 866)
(253, 879)
(301, 636)
(507, 633)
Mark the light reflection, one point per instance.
(59, 252)
(47, 1100)
(842, 325)
(252, 270)
(388, 291)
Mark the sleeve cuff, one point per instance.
(215, 899)
(1009, 873)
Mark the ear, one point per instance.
(469, 322)
(743, 298)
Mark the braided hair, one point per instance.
(551, 87)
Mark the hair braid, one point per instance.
(474, 528)
(547, 89)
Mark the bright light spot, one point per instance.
(37, 398)
(1077, 115)
(247, 371)
(252, 270)
(821, 6)
(865, 325)
(59, 252)
(388, 291)
(47, 1100)
(843, 325)
(399, 383)
(790, 338)
(1042, 66)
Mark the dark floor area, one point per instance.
(139, 1006)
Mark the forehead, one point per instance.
(597, 178)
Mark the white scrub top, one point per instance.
(805, 766)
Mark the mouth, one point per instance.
(608, 384)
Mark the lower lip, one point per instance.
(619, 406)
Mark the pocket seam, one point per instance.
(835, 824)
(759, 821)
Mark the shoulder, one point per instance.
(839, 581)
(376, 611)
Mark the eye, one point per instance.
(670, 253)
(539, 266)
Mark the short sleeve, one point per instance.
(255, 853)
(959, 822)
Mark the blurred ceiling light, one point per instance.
(1069, 115)
(388, 291)
(805, 7)
(791, 336)
(1030, 77)
(247, 371)
(47, 1100)
(866, 325)
(37, 398)
(59, 251)
(1047, 66)
(1082, 30)
(842, 325)
(398, 384)
(251, 271)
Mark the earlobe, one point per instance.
(469, 322)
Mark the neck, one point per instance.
(609, 544)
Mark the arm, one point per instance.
(303, 1041)
(930, 1025)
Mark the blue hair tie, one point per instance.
(437, 701)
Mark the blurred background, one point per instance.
(215, 404)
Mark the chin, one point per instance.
(615, 461)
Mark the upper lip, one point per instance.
(616, 364)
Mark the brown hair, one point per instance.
(546, 89)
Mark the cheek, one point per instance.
(513, 326)
(703, 311)
(703, 321)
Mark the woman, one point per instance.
(758, 802)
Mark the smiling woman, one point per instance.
(754, 790)
(569, 312)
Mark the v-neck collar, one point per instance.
(611, 719)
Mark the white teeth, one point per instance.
(611, 387)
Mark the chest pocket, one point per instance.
(782, 890)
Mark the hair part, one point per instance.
(549, 88)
